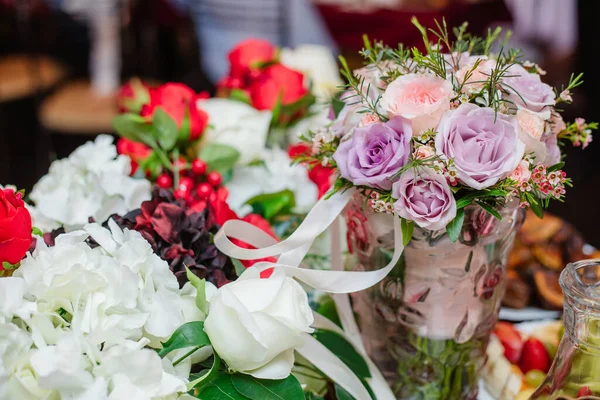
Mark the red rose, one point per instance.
(136, 151)
(175, 99)
(318, 174)
(15, 227)
(274, 81)
(132, 96)
(247, 55)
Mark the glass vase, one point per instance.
(575, 373)
(427, 324)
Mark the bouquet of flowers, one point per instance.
(98, 313)
(444, 145)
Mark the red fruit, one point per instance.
(186, 184)
(198, 167)
(511, 340)
(181, 194)
(180, 164)
(584, 391)
(204, 190)
(164, 181)
(534, 356)
(214, 178)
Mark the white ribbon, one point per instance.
(291, 252)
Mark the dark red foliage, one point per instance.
(182, 236)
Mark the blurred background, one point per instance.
(62, 61)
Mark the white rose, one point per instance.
(255, 324)
(238, 125)
(422, 99)
(318, 65)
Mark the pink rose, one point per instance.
(423, 152)
(531, 129)
(422, 99)
(521, 173)
(425, 198)
(476, 80)
(368, 119)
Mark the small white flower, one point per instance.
(565, 95)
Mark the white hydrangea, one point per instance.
(273, 175)
(92, 182)
(76, 322)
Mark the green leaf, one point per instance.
(133, 127)
(535, 205)
(190, 334)
(200, 285)
(312, 396)
(462, 203)
(263, 389)
(407, 230)
(270, 205)
(239, 267)
(240, 95)
(164, 129)
(277, 110)
(556, 167)
(220, 388)
(302, 104)
(152, 163)
(455, 226)
(219, 157)
(489, 209)
(186, 128)
(36, 231)
(337, 105)
(341, 394)
(327, 308)
(344, 350)
(204, 379)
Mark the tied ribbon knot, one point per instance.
(336, 281)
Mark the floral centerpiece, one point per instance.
(98, 313)
(454, 141)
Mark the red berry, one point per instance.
(164, 181)
(180, 164)
(534, 356)
(186, 184)
(584, 391)
(214, 178)
(181, 194)
(204, 190)
(511, 341)
(198, 167)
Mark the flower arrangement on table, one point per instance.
(128, 309)
(442, 145)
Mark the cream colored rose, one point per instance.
(531, 129)
(255, 324)
(422, 99)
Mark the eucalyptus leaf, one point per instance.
(187, 335)
(164, 129)
(455, 226)
(220, 388)
(219, 157)
(200, 285)
(265, 389)
(339, 346)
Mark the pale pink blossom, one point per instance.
(521, 173)
(580, 122)
(422, 99)
(368, 119)
(565, 95)
(423, 152)
(477, 77)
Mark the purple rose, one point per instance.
(424, 197)
(485, 146)
(375, 153)
(526, 90)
